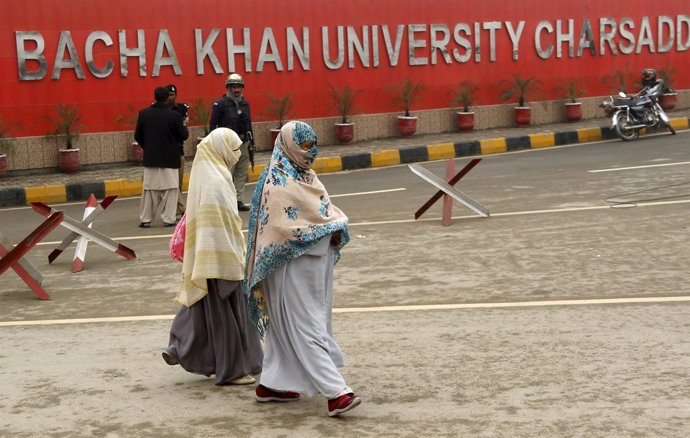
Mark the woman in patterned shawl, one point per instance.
(295, 237)
(211, 333)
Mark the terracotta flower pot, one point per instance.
(573, 111)
(344, 132)
(523, 116)
(274, 135)
(465, 121)
(407, 125)
(137, 154)
(3, 165)
(668, 101)
(68, 160)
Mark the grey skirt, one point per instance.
(215, 336)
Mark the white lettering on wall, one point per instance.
(345, 46)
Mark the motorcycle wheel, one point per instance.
(624, 132)
(670, 128)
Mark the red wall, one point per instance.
(24, 102)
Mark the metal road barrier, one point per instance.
(14, 258)
(446, 190)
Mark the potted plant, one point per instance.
(67, 127)
(344, 103)
(572, 90)
(465, 96)
(520, 88)
(669, 99)
(408, 95)
(619, 80)
(280, 108)
(128, 119)
(6, 146)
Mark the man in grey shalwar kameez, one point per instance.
(160, 131)
(295, 237)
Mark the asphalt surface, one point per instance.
(565, 313)
(124, 179)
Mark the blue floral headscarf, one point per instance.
(290, 213)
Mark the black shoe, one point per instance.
(241, 206)
(145, 225)
(169, 358)
(165, 224)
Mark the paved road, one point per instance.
(559, 315)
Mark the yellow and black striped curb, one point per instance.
(124, 187)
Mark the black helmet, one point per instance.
(648, 76)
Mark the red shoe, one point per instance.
(342, 404)
(264, 395)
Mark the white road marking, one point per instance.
(616, 169)
(368, 193)
(432, 219)
(137, 198)
(419, 307)
(518, 213)
(87, 320)
(590, 302)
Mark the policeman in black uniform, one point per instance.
(232, 111)
(183, 110)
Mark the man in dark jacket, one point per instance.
(183, 110)
(160, 131)
(232, 111)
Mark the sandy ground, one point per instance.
(554, 366)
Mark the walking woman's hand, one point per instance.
(335, 239)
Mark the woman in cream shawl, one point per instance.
(295, 235)
(211, 333)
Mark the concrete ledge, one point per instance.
(467, 148)
(77, 192)
(253, 175)
(607, 133)
(568, 137)
(585, 135)
(389, 157)
(50, 193)
(123, 187)
(328, 164)
(517, 143)
(679, 123)
(441, 151)
(541, 140)
(414, 154)
(13, 196)
(493, 146)
(356, 161)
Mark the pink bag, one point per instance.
(177, 240)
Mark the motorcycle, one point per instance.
(630, 114)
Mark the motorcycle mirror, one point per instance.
(621, 94)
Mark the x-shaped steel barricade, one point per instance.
(447, 191)
(84, 231)
(14, 258)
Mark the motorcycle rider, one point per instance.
(642, 110)
(649, 83)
